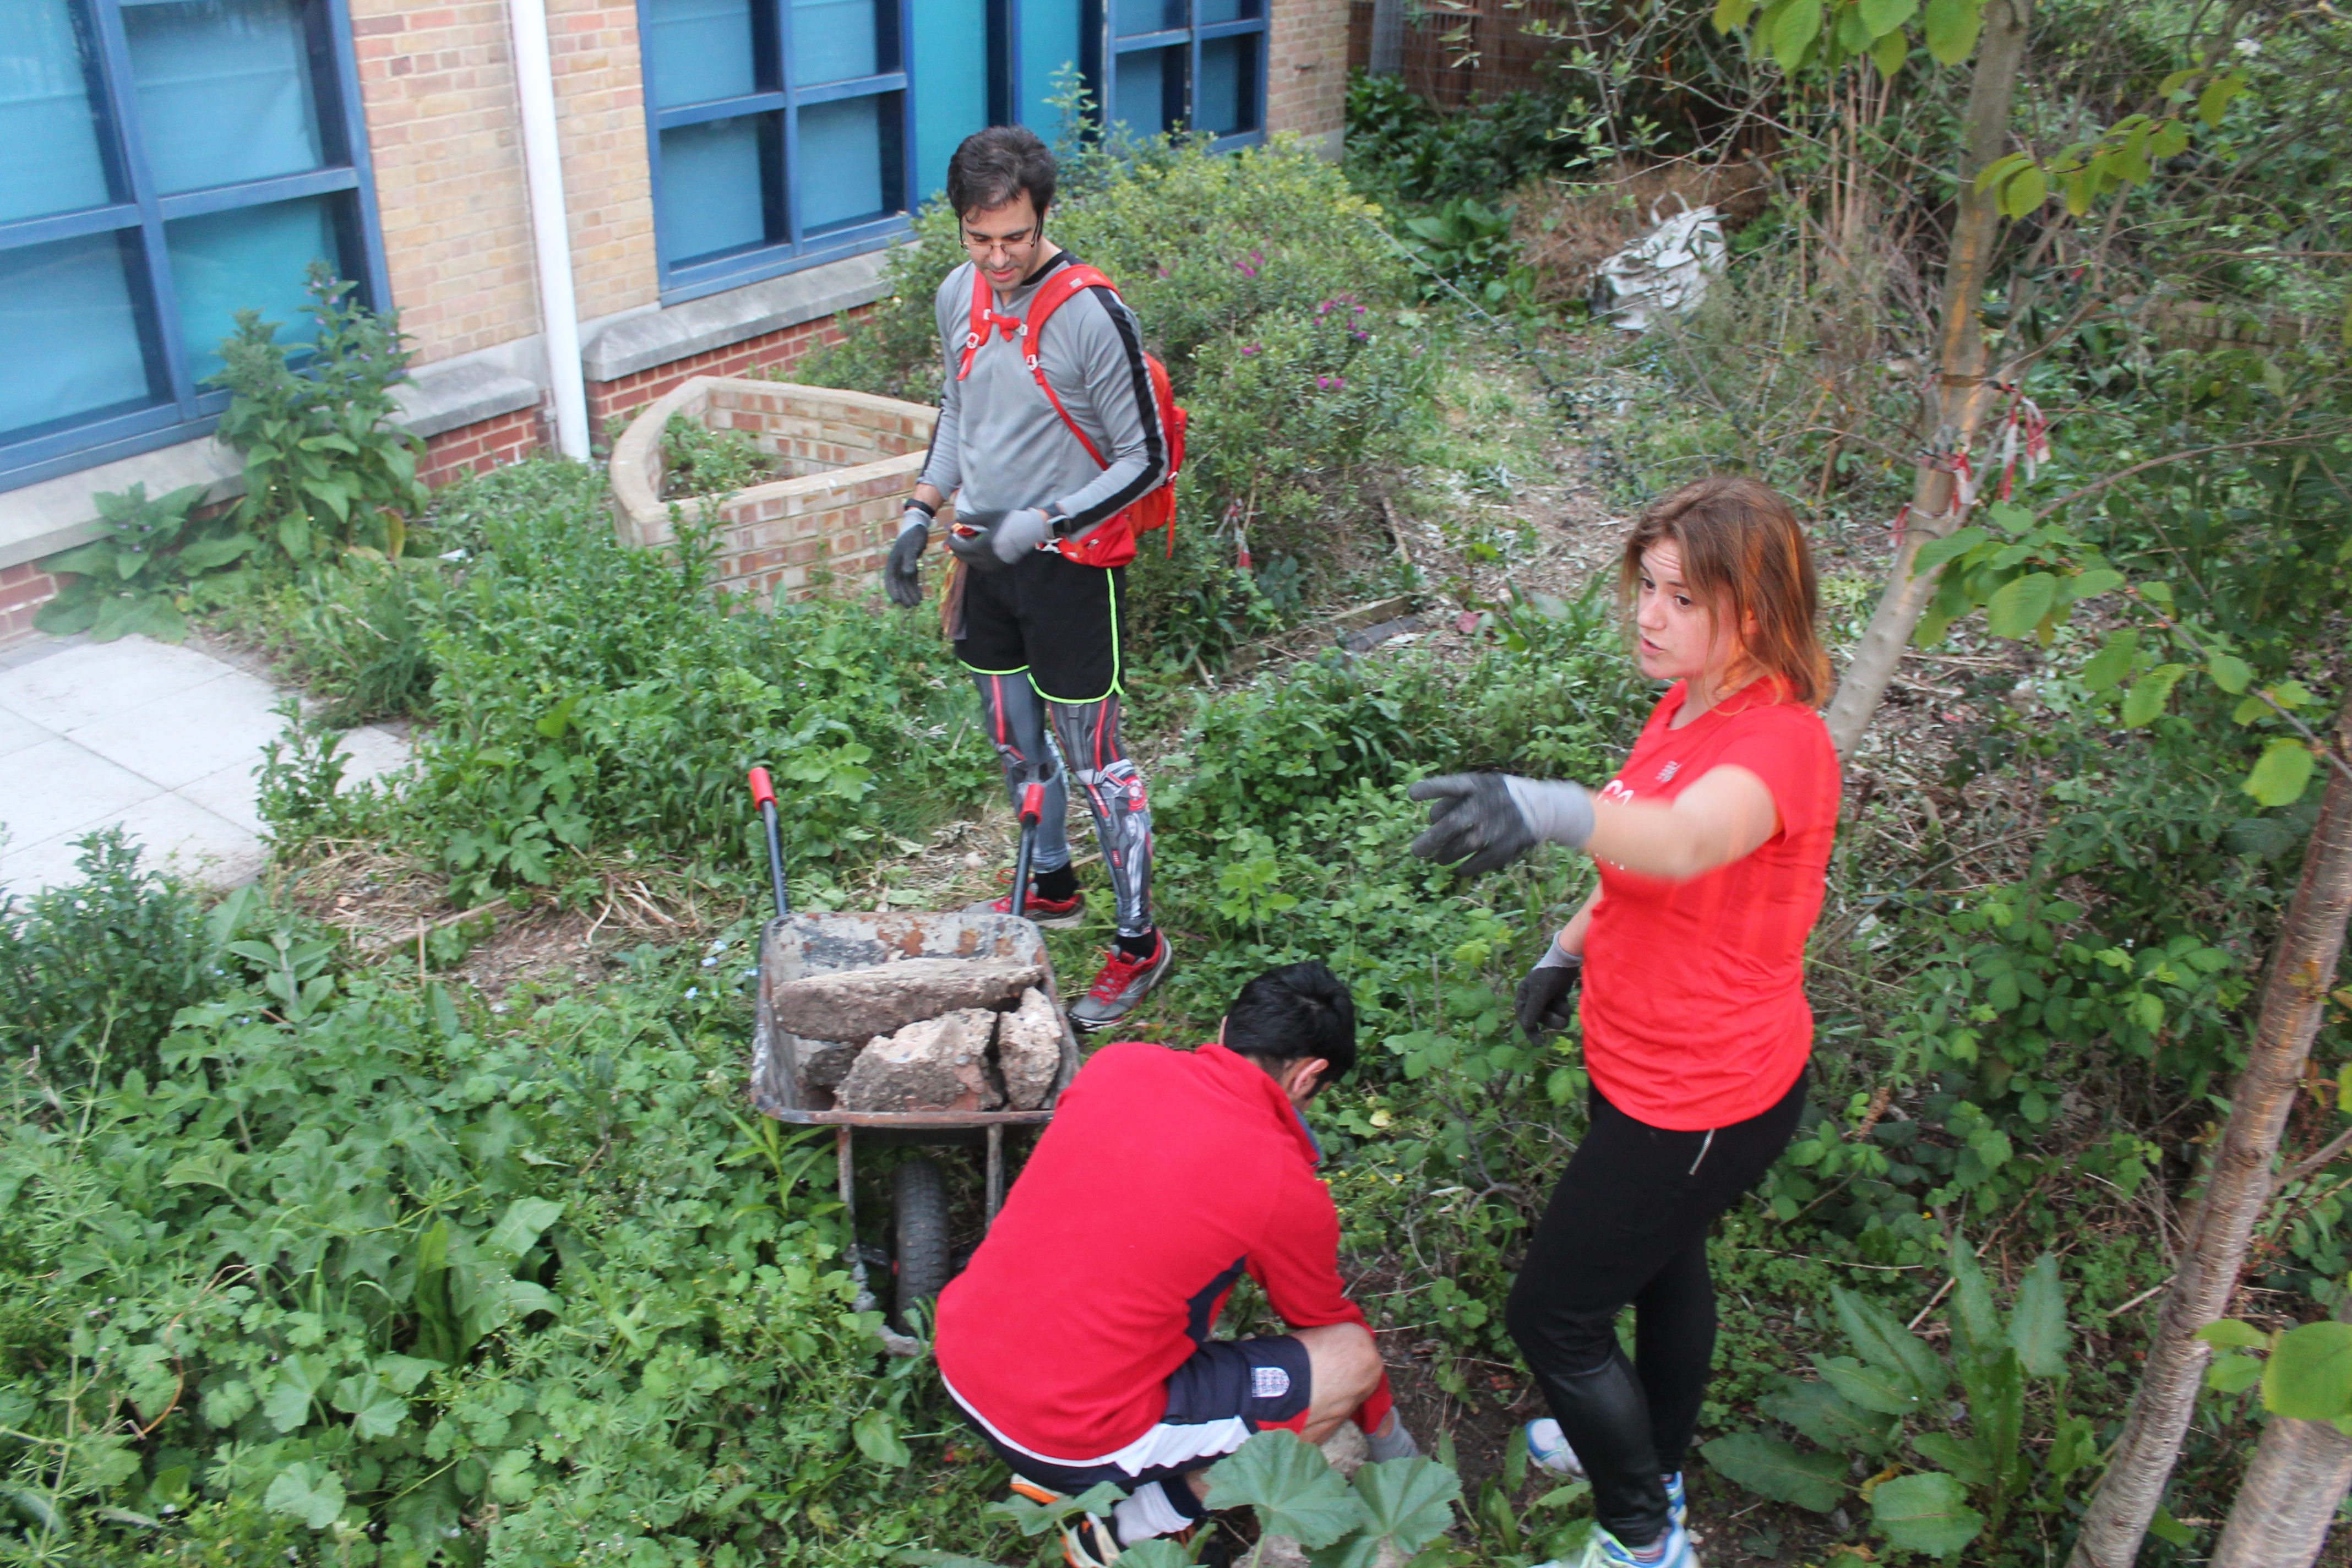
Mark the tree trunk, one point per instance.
(1962, 394)
(2288, 1498)
(2238, 1188)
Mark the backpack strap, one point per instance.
(1055, 291)
(985, 319)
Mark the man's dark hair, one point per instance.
(995, 165)
(1290, 1014)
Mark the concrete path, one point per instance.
(162, 738)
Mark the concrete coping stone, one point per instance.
(721, 321)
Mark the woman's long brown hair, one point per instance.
(1744, 555)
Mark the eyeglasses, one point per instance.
(980, 244)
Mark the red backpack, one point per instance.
(1112, 543)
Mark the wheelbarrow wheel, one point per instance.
(918, 1203)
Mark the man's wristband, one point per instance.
(932, 513)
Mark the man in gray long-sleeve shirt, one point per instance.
(1042, 535)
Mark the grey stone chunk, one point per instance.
(859, 1004)
(824, 1063)
(940, 1064)
(1029, 1050)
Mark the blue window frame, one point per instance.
(778, 134)
(787, 132)
(1184, 65)
(167, 163)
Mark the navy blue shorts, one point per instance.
(1227, 1390)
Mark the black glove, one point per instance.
(969, 536)
(1546, 1002)
(902, 577)
(1474, 821)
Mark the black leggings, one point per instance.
(1628, 1222)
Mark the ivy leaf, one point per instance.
(1781, 1471)
(1926, 1512)
(311, 1493)
(1951, 27)
(2149, 693)
(2038, 1327)
(2309, 1374)
(2280, 772)
(2018, 605)
(1294, 1491)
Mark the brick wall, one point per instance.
(485, 445)
(23, 589)
(1307, 77)
(608, 190)
(769, 351)
(848, 462)
(437, 84)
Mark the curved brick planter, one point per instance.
(852, 461)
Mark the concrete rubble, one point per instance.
(1029, 1050)
(938, 1064)
(859, 1004)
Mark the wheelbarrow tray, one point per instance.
(797, 945)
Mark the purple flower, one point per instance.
(1253, 349)
(1331, 383)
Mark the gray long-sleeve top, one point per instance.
(998, 438)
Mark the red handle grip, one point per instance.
(763, 789)
(1032, 805)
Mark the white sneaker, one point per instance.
(1547, 1446)
(1603, 1550)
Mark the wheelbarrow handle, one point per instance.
(763, 791)
(1032, 812)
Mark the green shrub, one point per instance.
(141, 577)
(1401, 146)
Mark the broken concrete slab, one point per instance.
(938, 1064)
(1029, 1050)
(859, 1004)
(824, 1063)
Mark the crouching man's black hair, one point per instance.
(995, 165)
(1292, 1015)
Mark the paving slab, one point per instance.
(165, 739)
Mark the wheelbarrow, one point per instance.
(792, 946)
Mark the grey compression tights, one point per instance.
(1087, 733)
(1015, 716)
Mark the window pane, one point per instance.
(719, 184)
(249, 258)
(1049, 43)
(46, 120)
(843, 178)
(1229, 86)
(948, 36)
(1148, 17)
(1212, 11)
(223, 91)
(836, 40)
(71, 331)
(1148, 94)
(702, 49)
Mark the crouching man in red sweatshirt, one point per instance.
(1077, 1341)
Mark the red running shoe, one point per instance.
(1122, 983)
(1045, 912)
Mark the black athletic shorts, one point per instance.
(1049, 616)
(1227, 1390)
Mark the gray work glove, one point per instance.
(972, 536)
(1485, 821)
(1397, 1444)
(902, 577)
(1546, 1002)
(1019, 533)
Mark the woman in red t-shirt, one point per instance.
(1713, 845)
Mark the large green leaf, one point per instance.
(311, 1493)
(1964, 1456)
(293, 1384)
(2149, 693)
(1976, 1324)
(2037, 1326)
(1294, 1489)
(1781, 1471)
(2018, 605)
(2108, 667)
(1036, 1518)
(877, 1434)
(1936, 551)
(2309, 1376)
(1873, 1388)
(1407, 1502)
(1821, 1412)
(1926, 1512)
(1882, 1341)
(1883, 16)
(2281, 773)
(1951, 27)
(521, 1227)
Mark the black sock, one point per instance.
(1061, 882)
(1142, 946)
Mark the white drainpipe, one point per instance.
(551, 237)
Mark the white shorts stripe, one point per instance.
(1163, 1446)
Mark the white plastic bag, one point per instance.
(1664, 273)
